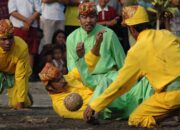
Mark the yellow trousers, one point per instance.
(17, 94)
(157, 105)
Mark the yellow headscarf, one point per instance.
(133, 15)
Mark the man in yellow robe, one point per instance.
(60, 86)
(156, 56)
(14, 60)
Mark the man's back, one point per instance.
(158, 52)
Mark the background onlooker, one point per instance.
(52, 19)
(113, 3)
(24, 15)
(115, 24)
(106, 14)
(59, 39)
(45, 56)
(71, 14)
(4, 14)
(58, 59)
(173, 22)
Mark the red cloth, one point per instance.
(30, 37)
(109, 15)
(4, 14)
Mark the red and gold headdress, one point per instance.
(49, 72)
(87, 8)
(6, 28)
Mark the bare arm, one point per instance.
(19, 16)
(33, 17)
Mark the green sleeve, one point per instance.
(117, 51)
(71, 55)
(87, 78)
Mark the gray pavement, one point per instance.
(38, 92)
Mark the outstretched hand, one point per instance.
(80, 49)
(88, 114)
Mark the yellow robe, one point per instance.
(156, 55)
(74, 85)
(16, 62)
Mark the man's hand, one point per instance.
(99, 38)
(80, 49)
(26, 26)
(20, 105)
(88, 114)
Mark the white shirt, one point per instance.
(99, 9)
(60, 64)
(25, 8)
(53, 11)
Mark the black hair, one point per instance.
(142, 26)
(55, 35)
(58, 47)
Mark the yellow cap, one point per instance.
(133, 15)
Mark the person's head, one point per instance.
(6, 35)
(122, 2)
(136, 18)
(53, 79)
(175, 2)
(46, 54)
(88, 16)
(59, 37)
(58, 53)
(48, 57)
(103, 3)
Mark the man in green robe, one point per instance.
(111, 59)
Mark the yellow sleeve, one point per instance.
(91, 60)
(22, 73)
(127, 76)
(74, 73)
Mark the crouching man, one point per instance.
(14, 67)
(156, 56)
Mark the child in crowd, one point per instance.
(59, 38)
(58, 59)
(45, 55)
(106, 14)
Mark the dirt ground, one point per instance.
(42, 117)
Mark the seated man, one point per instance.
(14, 59)
(156, 56)
(106, 70)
